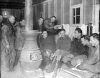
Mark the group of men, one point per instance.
(82, 49)
(11, 42)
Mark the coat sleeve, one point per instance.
(5, 32)
(95, 58)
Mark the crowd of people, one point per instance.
(54, 44)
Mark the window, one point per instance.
(76, 15)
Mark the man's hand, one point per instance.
(56, 53)
(55, 27)
(79, 62)
(58, 57)
(7, 46)
(48, 54)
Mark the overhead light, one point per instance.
(5, 14)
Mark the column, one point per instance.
(28, 15)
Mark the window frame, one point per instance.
(81, 14)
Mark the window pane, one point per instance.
(73, 11)
(73, 20)
(77, 11)
(77, 19)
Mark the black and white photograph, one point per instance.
(49, 38)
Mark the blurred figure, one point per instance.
(19, 34)
(63, 47)
(1, 19)
(53, 21)
(8, 47)
(47, 46)
(92, 64)
(50, 25)
(77, 46)
(87, 45)
(19, 39)
(77, 50)
(46, 24)
(41, 24)
(63, 44)
(41, 27)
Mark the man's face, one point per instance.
(23, 22)
(53, 19)
(62, 33)
(92, 41)
(12, 19)
(40, 21)
(84, 42)
(45, 34)
(76, 34)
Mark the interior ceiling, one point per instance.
(16, 4)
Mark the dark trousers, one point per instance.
(45, 61)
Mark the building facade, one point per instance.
(72, 12)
